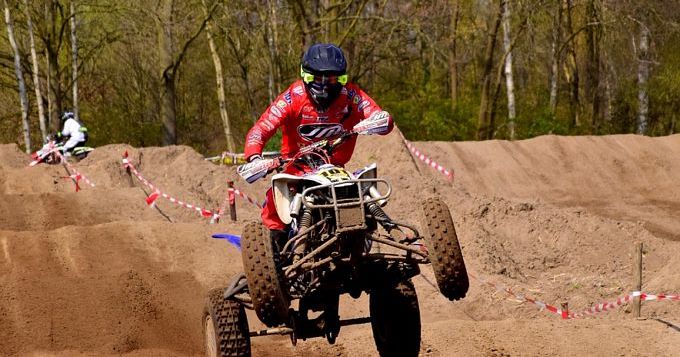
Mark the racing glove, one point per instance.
(256, 169)
(377, 123)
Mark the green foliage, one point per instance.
(399, 52)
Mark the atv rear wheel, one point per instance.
(265, 286)
(395, 319)
(225, 327)
(445, 253)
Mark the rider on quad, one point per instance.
(321, 105)
(73, 132)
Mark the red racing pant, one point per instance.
(269, 216)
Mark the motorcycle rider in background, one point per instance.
(319, 106)
(73, 131)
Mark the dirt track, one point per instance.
(99, 273)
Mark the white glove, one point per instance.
(377, 123)
(256, 169)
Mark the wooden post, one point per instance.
(637, 278)
(232, 201)
(128, 171)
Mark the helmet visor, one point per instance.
(323, 79)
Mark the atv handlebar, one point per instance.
(256, 170)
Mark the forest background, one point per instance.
(199, 72)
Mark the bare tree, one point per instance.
(20, 78)
(54, 99)
(74, 56)
(453, 57)
(594, 63)
(271, 34)
(509, 83)
(307, 18)
(555, 56)
(643, 77)
(36, 73)
(484, 130)
(169, 65)
(219, 76)
(168, 91)
(571, 70)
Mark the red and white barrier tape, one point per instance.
(223, 207)
(244, 196)
(75, 175)
(231, 197)
(151, 200)
(565, 314)
(606, 306)
(428, 161)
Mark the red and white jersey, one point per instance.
(302, 124)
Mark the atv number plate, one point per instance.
(335, 174)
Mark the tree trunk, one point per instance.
(74, 55)
(20, 78)
(48, 78)
(643, 76)
(221, 98)
(453, 58)
(36, 74)
(509, 83)
(235, 44)
(52, 80)
(572, 73)
(168, 110)
(556, 56)
(306, 16)
(484, 130)
(593, 64)
(272, 41)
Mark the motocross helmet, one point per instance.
(66, 116)
(324, 73)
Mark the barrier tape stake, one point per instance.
(565, 310)
(637, 278)
(68, 173)
(232, 201)
(127, 169)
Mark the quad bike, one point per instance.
(48, 153)
(335, 217)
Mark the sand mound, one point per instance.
(98, 272)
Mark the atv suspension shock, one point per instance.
(381, 216)
(305, 219)
(305, 222)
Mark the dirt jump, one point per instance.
(100, 272)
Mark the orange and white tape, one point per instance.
(565, 314)
(244, 196)
(151, 200)
(230, 199)
(429, 162)
(75, 175)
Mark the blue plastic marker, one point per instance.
(231, 238)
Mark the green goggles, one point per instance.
(333, 79)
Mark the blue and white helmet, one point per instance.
(66, 116)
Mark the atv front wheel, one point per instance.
(225, 327)
(265, 286)
(395, 319)
(445, 253)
